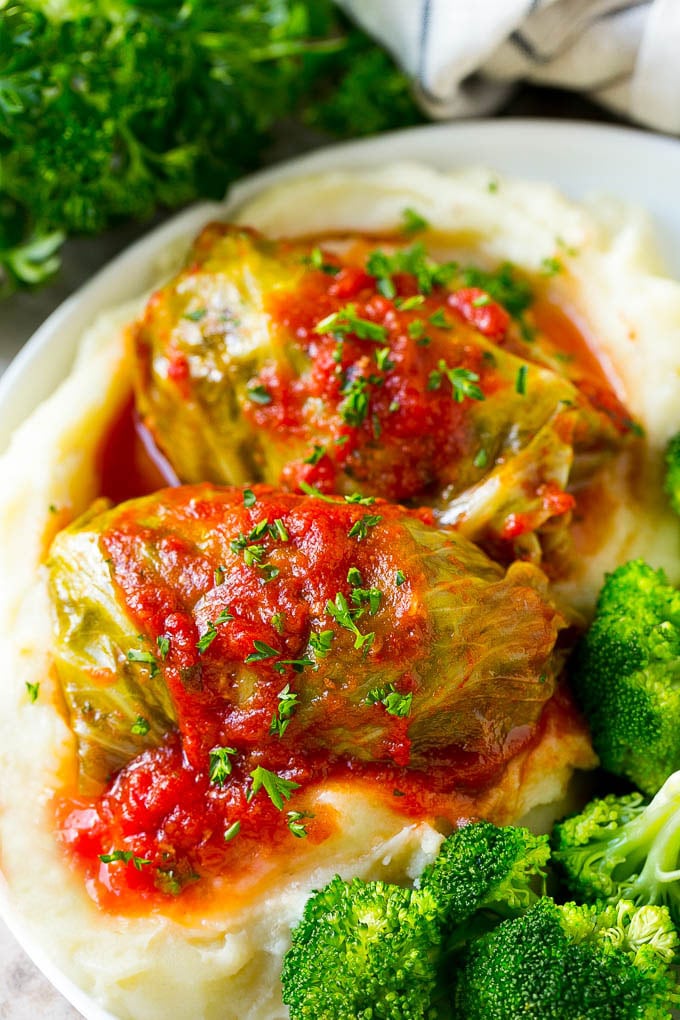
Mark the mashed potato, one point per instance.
(226, 965)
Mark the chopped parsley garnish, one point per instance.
(439, 319)
(481, 458)
(220, 764)
(394, 406)
(354, 407)
(269, 572)
(249, 498)
(400, 577)
(262, 652)
(140, 655)
(207, 638)
(413, 222)
(551, 266)
(287, 704)
(218, 575)
(346, 321)
(127, 856)
(463, 382)
(316, 260)
(481, 301)
(394, 702)
(321, 642)
(196, 315)
(33, 690)
(379, 265)
(297, 664)
(372, 596)
(163, 643)
(382, 359)
(521, 380)
(415, 329)
(224, 617)
(253, 552)
(310, 490)
(232, 831)
(344, 616)
(409, 303)
(356, 497)
(315, 456)
(259, 394)
(295, 823)
(504, 285)
(415, 262)
(277, 788)
(359, 529)
(278, 620)
(140, 726)
(278, 530)
(258, 530)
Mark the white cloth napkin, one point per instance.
(464, 55)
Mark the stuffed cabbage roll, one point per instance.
(280, 624)
(358, 368)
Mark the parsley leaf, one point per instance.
(321, 642)
(359, 529)
(346, 321)
(259, 394)
(354, 407)
(295, 823)
(33, 690)
(463, 382)
(344, 616)
(413, 222)
(220, 764)
(232, 831)
(126, 856)
(394, 703)
(315, 456)
(262, 652)
(287, 704)
(277, 788)
(140, 655)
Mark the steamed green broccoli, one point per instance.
(374, 951)
(624, 848)
(484, 867)
(571, 962)
(626, 675)
(672, 480)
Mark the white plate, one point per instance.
(578, 158)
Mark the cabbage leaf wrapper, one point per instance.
(270, 622)
(358, 368)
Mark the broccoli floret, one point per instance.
(484, 867)
(626, 675)
(571, 962)
(672, 481)
(624, 848)
(374, 951)
(364, 951)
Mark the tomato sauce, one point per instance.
(224, 597)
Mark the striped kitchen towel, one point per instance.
(465, 55)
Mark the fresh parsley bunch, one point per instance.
(109, 109)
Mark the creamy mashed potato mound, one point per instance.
(226, 965)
